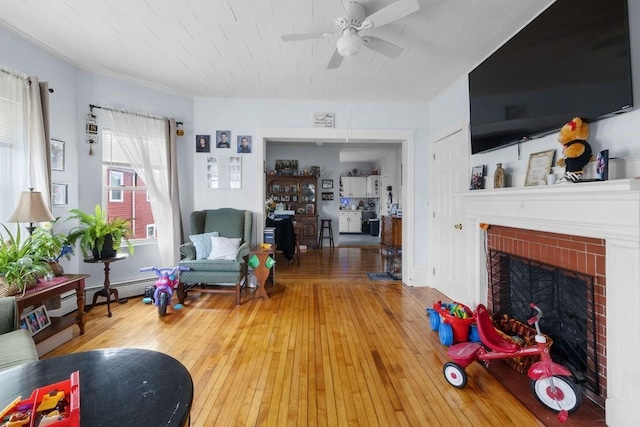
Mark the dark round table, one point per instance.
(118, 386)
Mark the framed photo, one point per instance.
(285, 198)
(311, 209)
(203, 143)
(59, 194)
(477, 178)
(602, 165)
(539, 167)
(276, 188)
(327, 184)
(244, 144)
(35, 320)
(224, 139)
(287, 167)
(57, 155)
(327, 195)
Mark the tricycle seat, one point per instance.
(488, 334)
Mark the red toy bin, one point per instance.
(459, 317)
(71, 389)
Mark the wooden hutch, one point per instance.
(297, 193)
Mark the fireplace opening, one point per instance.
(567, 300)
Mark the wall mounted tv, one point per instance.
(573, 60)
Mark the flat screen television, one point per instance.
(573, 60)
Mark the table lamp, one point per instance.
(31, 208)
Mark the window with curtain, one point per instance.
(13, 149)
(124, 190)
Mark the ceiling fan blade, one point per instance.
(304, 36)
(393, 12)
(383, 47)
(335, 61)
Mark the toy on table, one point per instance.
(576, 151)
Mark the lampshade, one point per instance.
(31, 208)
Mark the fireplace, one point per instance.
(599, 216)
(566, 297)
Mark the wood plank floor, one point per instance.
(330, 347)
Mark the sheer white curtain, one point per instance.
(147, 145)
(23, 145)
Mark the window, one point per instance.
(116, 179)
(13, 147)
(125, 190)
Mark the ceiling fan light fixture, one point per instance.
(349, 44)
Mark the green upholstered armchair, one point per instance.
(217, 275)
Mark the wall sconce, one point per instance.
(179, 130)
(31, 209)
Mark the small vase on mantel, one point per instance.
(498, 177)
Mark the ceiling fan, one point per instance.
(357, 21)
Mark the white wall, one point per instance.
(618, 133)
(246, 116)
(74, 90)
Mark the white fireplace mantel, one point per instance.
(607, 210)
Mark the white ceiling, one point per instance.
(232, 48)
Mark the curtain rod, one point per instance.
(14, 73)
(20, 76)
(149, 116)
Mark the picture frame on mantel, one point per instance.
(538, 168)
(477, 178)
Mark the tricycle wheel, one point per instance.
(446, 334)
(566, 397)
(455, 375)
(162, 304)
(434, 319)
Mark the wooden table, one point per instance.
(118, 386)
(47, 290)
(262, 271)
(107, 290)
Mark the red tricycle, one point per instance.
(550, 381)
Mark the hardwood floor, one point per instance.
(330, 347)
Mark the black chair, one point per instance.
(285, 237)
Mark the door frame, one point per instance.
(354, 136)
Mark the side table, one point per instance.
(107, 290)
(46, 290)
(261, 271)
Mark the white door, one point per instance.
(449, 159)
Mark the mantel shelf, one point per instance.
(563, 190)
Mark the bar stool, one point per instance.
(325, 224)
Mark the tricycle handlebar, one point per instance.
(165, 271)
(538, 315)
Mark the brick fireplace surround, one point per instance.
(586, 216)
(584, 255)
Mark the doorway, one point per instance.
(357, 136)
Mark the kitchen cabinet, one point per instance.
(353, 186)
(350, 222)
(373, 186)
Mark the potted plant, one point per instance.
(20, 265)
(98, 235)
(51, 246)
